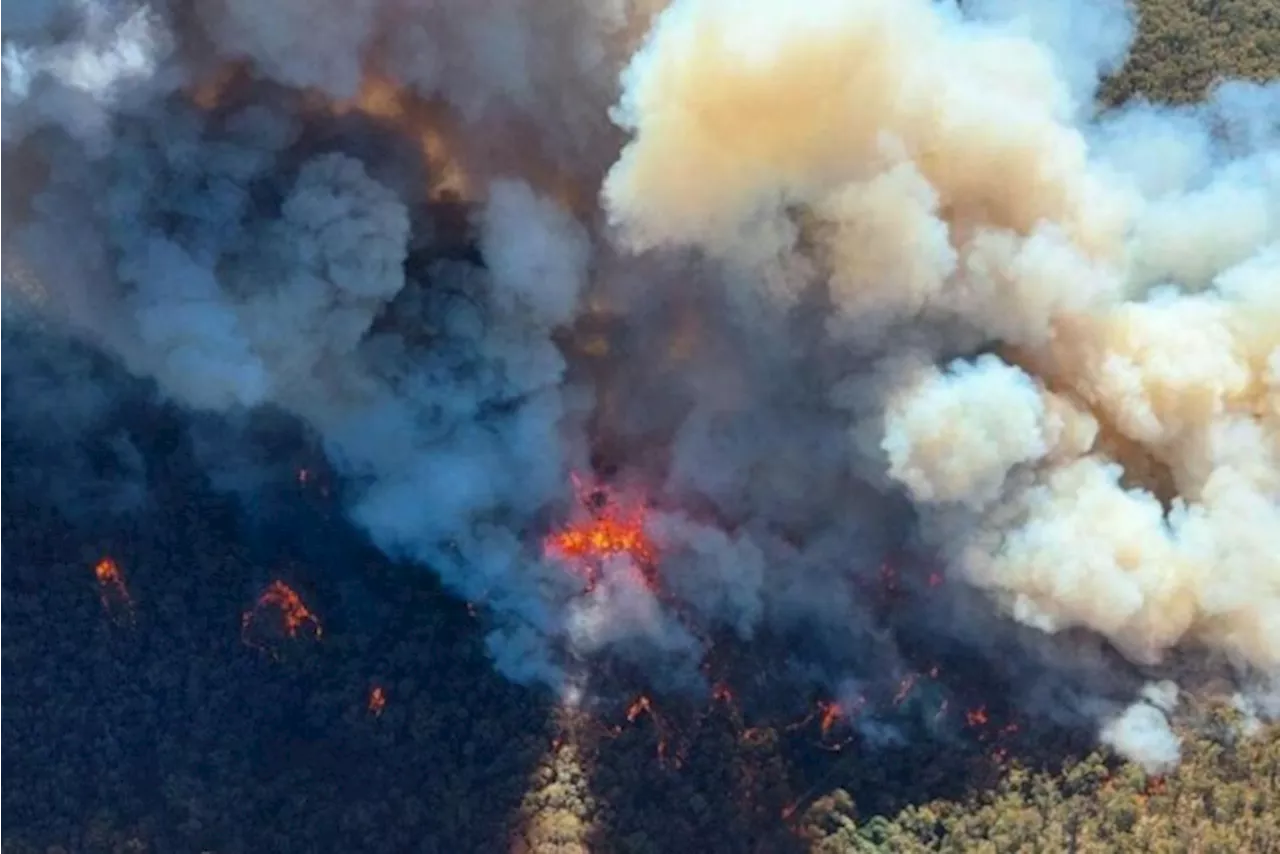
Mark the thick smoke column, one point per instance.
(823, 285)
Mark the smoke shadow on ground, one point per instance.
(149, 718)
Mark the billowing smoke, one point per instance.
(822, 288)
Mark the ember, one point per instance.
(112, 592)
(722, 693)
(377, 701)
(831, 714)
(638, 707)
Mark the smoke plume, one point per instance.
(816, 289)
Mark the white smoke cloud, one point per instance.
(1141, 733)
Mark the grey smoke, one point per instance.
(783, 320)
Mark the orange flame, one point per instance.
(295, 614)
(112, 591)
(831, 714)
(977, 717)
(377, 701)
(642, 705)
(607, 535)
(434, 127)
(638, 707)
(607, 530)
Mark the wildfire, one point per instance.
(891, 583)
(639, 706)
(377, 701)
(112, 591)
(431, 123)
(831, 714)
(604, 530)
(643, 706)
(295, 615)
(1155, 787)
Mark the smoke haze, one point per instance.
(823, 288)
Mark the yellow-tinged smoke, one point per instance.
(944, 178)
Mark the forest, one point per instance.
(218, 669)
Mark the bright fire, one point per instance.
(603, 530)
(294, 614)
(831, 714)
(643, 706)
(977, 717)
(112, 591)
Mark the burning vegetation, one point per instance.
(385, 248)
(279, 614)
(604, 526)
(112, 592)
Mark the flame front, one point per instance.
(604, 530)
(294, 614)
(601, 537)
(640, 706)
